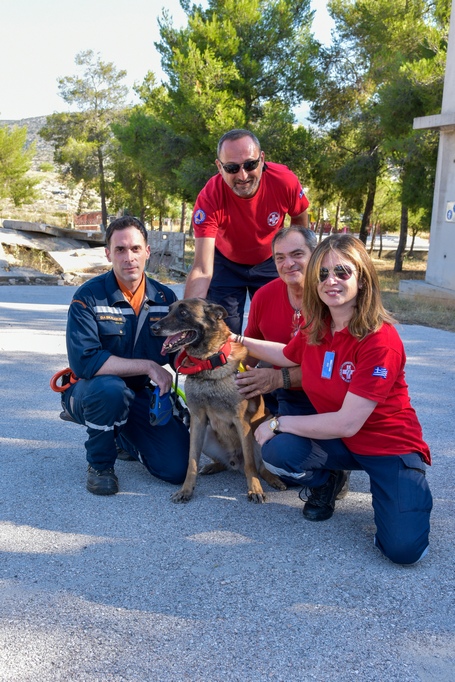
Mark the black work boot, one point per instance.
(103, 482)
(124, 454)
(321, 501)
(345, 489)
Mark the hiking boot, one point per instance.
(103, 482)
(321, 501)
(345, 489)
(124, 454)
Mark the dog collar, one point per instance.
(194, 365)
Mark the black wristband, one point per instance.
(286, 377)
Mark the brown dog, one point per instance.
(222, 422)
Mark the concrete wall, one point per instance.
(441, 256)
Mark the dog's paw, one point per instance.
(273, 480)
(257, 498)
(212, 468)
(278, 484)
(181, 496)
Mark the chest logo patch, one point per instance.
(273, 219)
(347, 369)
(199, 216)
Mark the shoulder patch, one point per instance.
(199, 216)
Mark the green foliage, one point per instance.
(385, 68)
(234, 64)
(46, 167)
(83, 140)
(15, 162)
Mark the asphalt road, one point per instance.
(134, 587)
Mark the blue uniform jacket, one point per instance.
(102, 323)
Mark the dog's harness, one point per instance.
(187, 364)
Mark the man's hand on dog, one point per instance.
(253, 382)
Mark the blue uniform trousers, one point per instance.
(401, 497)
(294, 403)
(232, 281)
(110, 410)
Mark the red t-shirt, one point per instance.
(244, 228)
(271, 316)
(374, 369)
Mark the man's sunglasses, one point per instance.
(343, 272)
(248, 166)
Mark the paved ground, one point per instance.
(134, 587)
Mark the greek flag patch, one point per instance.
(380, 372)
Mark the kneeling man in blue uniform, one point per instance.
(114, 355)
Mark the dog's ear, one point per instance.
(215, 311)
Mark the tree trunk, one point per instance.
(380, 242)
(160, 221)
(140, 191)
(183, 217)
(316, 225)
(102, 190)
(414, 235)
(337, 215)
(373, 237)
(369, 205)
(402, 241)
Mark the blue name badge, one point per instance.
(327, 366)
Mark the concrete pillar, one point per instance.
(440, 276)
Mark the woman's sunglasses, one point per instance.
(248, 166)
(343, 272)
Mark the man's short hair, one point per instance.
(122, 224)
(308, 235)
(237, 134)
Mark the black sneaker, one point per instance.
(321, 501)
(345, 489)
(103, 482)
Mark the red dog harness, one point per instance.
(186, 364)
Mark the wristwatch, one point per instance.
(274, 425)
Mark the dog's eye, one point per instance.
(183, 312)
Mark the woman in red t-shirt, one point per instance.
(352, 361)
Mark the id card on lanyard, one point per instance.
(327, 365)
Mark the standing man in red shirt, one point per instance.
(235, 218)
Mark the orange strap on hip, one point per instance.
(68, 378)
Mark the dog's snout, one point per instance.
(156, 328)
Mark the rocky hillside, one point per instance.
(56, 203)
(44, 150)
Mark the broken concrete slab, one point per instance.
(81, 260)
(81, 235)
(69, 255)
(10, 274)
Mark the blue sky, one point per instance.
(39, 41)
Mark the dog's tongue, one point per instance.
(169, 342)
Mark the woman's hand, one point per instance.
(263, 433)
